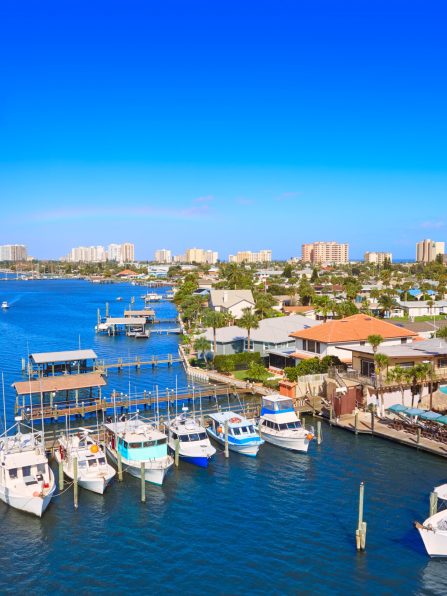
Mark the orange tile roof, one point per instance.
(353, 329)
(298, 308)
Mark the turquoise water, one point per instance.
(443, 389)
(282, 523)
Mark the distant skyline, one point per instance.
(230, 126)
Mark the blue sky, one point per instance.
(225, 125)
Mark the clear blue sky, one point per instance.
(230, 125)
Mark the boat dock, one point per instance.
(153, 360)
(381, 429)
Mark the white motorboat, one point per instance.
(5, 305)
(137, 442)
(434, 529)
(152, 297)
(93, 473)
(242, 435)
(193, 442)
(280, 426)
(26, 479)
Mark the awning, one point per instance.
(397, 408)
(430, 415)
(414, 412)
(442, 420)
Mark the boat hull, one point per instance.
(200, 461)
(250, 449)
(96, 484)
(154, 474)
(293, 444)
(34, 505)
(435, 540)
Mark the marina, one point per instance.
(276, 485)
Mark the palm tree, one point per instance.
(248, 321)
(381, 362)
(202, 345)
(442, 333)
(324, 305)
(423, 374)
(215, 320)
(374, 341)
(399, 376)
(387, 303)
(264, 303)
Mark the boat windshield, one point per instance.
(284, 405)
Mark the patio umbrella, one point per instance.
(414, 412)
(398, 408)
(430, 415)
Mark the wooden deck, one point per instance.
(138, 362)
(386, 432)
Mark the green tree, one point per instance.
(264, 303)
(215, 320)
(387, 303)
(257, 372)
(442, 333)
(248, 321)
(381, 362)
(202, 346)
(305, 292)
(324, 306)
(399, 376)
(288, 271)
(374, 341)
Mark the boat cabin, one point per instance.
(276, 404)
(283, 425)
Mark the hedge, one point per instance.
(239, 361)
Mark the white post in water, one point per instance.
(120, 466)
(319, 437)
(143, 483)
(75, 482)
(227, 452)
(360, 534)
(61, 475)
(177, 452)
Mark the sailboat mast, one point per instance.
(4, 401)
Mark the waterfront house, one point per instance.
(329, 339)
(231, 301)
(421, 308)
(272, 335)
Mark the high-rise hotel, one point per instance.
(325, 252)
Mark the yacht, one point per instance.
(280, 425)
(434, 529)
(242, 435)
(194, 444)
(138, 441)
(152, 297)
(26, 479)
(94, 473)
(5, 304)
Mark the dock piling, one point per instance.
(75, 482)
(356, 423)
(143, 483)
(177, 452)
(418, 435)
(303, 421)
(61, 476)
(319, 437)
(120, 467)
(227, 452)
(433, 503)
(360, 534)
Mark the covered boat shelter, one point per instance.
(58, 394)
(62, 363)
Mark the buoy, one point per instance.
(94, 449)
(309, 437)
(219, 430)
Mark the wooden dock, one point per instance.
(122, 402)
(137, 362)
(385, 432)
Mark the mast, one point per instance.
(4, 402)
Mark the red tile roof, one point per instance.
(353, 329)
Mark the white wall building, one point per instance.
(13, 252)
(246, 256)
(231, 301)
(378, 258)
(163, 255)
(121, 253)
(428, 250)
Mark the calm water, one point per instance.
(282, 523)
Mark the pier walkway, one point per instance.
(153, 360)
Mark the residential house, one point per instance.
(231, 301)
(272, 334)
(329, 339)
(421, 308)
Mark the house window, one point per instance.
(442, 363)
(403, 340)
(366, 367)
(406, 364)
(309, 345)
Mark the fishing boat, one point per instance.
(434, 529)
(119, 298)
(152, 297)
(93, 471)
(280, 426)
(5, 305)
(193, 442)
(242, 435)
(26, 479)
(138, 442)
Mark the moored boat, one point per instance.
(242, 435)
(280, 426)
(193, 442)
(138, 442)
(26, 479)
(93, 471)
(5, 304)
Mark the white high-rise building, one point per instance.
(246, 256)
(428, 250)
(121, 253)
(378, 258)
(163, 255)
(13, 252)
(325, 252)
(201, 256)
(127, 252)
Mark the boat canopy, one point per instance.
(442, 420)
(430, 415)
(272, 406)
(399, 408)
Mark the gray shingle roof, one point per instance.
(228, 298)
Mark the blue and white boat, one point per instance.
(280, 425)
(242, 435)
(137, 441)
(194, 444)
